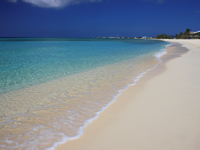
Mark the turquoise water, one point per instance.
(26, 62)
(50, 89)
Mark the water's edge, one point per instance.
(158, 56)
(63, 106)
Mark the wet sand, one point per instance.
(160, 112)
(43, 115)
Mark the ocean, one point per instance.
(50, 89)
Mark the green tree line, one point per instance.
(181, 35)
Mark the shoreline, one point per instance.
(61, 111)
(102, 133)
(157, 55)
(39, 98)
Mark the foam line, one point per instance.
(158, 56)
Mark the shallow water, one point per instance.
(51, 89)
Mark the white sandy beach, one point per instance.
(161, 112)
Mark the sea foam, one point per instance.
(71, 102)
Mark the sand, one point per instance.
(160, 112)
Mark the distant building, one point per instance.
(144, 37)
(195, 32)
(195, 35)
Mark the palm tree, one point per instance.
(180, 36)
(187, 32)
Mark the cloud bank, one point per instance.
(54, 3)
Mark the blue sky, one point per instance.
(89, 18)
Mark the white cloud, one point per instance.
(56, 3)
